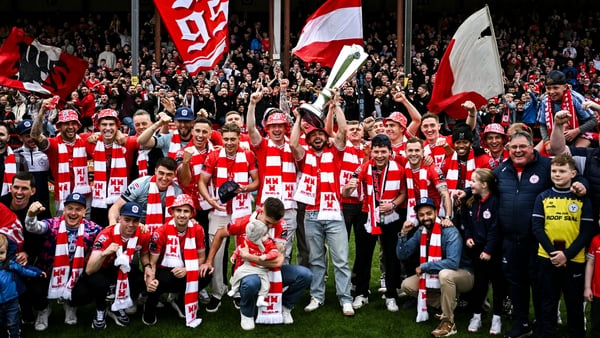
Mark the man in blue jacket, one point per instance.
(443, 271)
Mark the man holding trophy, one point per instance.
(318, 186)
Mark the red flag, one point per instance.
(199, 29)
(470, 68)
(335, 24)
(27, 65)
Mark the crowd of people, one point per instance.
(150, 178)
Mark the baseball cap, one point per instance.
(24, 127)
(398, 118)
(276, 118)
(131, 209)
(184, 114)
(494, 128)
(75, 198)
(425, 201)
(555, 77)
(68, 115)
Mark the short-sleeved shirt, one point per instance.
(106, 238)
(163, 142)
(158, 242)
(137, 192)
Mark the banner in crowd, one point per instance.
(199, 30)
(335, 24)
(28, 65)
(470, 68)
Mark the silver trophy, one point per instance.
(351, 58)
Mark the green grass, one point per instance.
(373, 320)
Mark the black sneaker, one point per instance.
(236, 302)
(518, 331)
(120, 317)
(99, 322)
(213, 305)
(149, 317)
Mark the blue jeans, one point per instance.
(295, 277)
(9, 316)
(129, 122)
(319, 232)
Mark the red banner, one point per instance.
(199, 30)
(27, 65)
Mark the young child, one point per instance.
(591, 291)
(479, 217)
(259, 243)
(9, 295)
(563, 225)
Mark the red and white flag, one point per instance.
(335, 24)
(470, 68)
(199, 29)
(28, 65)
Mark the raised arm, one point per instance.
(413, 127)
(36, 130)
(297, 150)
(255, 137)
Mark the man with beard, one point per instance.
(145, 158)
(206, 102)
(229, 165)
(559, 97)
(443, 271)
(30, 158)
(111, 161)
(153, 193)
(68, 240)
(319, 189)
(66, 152)
(169, 142)
(191, 100)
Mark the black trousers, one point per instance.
(167, 282)
(486, 272)
(94, 287)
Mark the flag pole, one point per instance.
(135, 36)
(407, 36)
(156, 36)
(285, 64)
(399, 31)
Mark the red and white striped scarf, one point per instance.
(154, 209)
(175, 145)
(505, 121)
(390, 185)
(566, 104)
(322, 174)
(10, 169)
(108, 191)
(350, 163)
(426, 280)
(142, 161)
(241, 205)
(122, 261)
(61, 282)
(11, 228)
(437, 153)
(80, 170)
(452, 175)
(410, 188)
(272, 314)
(279, 180)
(173, 258)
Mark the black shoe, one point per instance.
(149, 316)
(236, 302)
(120, 317)
(213, 305)
(518, 331)
(410, 303)
(99, 322)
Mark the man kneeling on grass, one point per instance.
(443, 271)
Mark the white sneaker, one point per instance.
(313, 305)
(41, 322)
(496, 327)
(558, 318)
(247, 323)
(359, 301)
(70, 314)
(390, 304)
(475, 323)
(260, 301)
(347, 310)
(287, 315)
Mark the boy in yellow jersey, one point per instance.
(563, 225)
